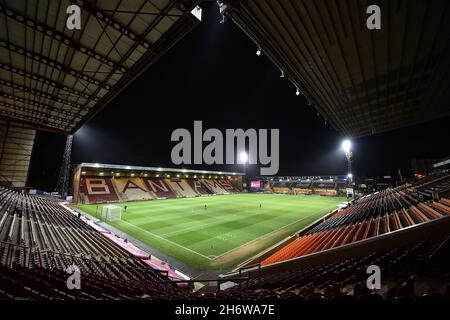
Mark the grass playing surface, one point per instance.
(230, 230)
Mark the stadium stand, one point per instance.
(132, 189)
(97, 190)
(370, 216)
(105, 189)
(214, 186)
(302, 187)
(198, 187)
(227, 185)
(159, 188)
(324, 188)
(181, 188)
(409, 272)
(341, 185)
(281, 187)
(313, 185)
(39, 240)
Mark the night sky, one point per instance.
(214, 75)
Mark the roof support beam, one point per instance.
(47, 81)
(49, 62)
(59, 36)
(39, 121)
(43, 107)
(111, 22)
(166, 10)
(44, 115)
(41, 94)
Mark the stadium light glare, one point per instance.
(258, 51)
(97, 165)
(244, 157)
(346, 145)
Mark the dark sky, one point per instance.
(214, 75)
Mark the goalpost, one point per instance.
(111, 213)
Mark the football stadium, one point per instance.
(108, 192)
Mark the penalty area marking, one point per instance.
(260, 237)
(159, 237)
(213, 257)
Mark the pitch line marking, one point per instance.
(159, 237)
(218, 221)
(262, 236)
(216, 257)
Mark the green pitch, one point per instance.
(231, 229)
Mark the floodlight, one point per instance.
(350, 175)
(244, 157)
(346, 145)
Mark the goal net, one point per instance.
(111, 213)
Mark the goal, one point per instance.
(111, 213)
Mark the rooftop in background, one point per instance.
(57, 79)
(153, 169)
(362, 82)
